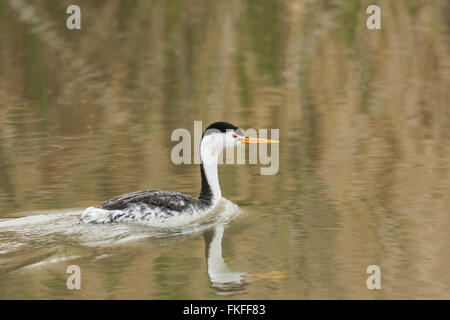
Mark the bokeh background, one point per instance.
(364, 120)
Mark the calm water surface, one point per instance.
(363, 176)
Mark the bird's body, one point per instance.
(148, 205)
(171, 201)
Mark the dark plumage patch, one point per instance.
(174, 201)
(221, 127)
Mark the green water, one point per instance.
(363, 178)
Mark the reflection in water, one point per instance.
(220, 275)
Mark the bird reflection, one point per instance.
(220, 276)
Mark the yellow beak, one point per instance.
(256, 140)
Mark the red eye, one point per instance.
(234, 136)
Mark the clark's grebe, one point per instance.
(148, 205)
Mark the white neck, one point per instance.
(209, 153)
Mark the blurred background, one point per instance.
(364, 119)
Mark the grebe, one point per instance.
(148, 205)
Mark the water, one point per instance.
(364, 155)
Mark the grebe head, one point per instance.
(222, 135)
(217, 137)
